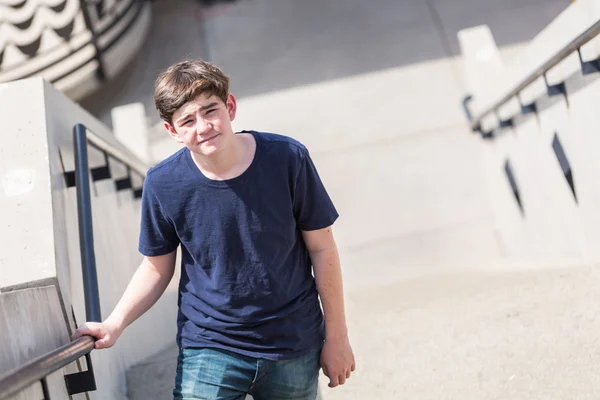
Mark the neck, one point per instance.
(224, 161)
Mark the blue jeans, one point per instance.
(211, 374)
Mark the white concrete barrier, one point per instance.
(130, 126)
(552, 152)
(40, 238)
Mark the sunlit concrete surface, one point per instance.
(514, 334)
(374, 90)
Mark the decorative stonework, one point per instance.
(70, 42)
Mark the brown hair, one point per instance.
(186, 80)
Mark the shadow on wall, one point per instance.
(269, 45)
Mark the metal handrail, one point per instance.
(37, 369)
(122, 155)
(572, 46)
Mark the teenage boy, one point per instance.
(253, 221)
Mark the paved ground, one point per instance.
(373, 88)
(518, 334)
(527, 335)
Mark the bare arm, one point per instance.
(328, 276)
(337, 358)
(144, 289)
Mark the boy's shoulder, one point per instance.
(281, 143)
(165, 168)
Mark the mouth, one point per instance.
(208, 139)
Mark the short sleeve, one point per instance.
(157, 233)
(313, 207)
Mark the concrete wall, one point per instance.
(555, 226)
(41, 229)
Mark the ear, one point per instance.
(231, 106)
(173, 133)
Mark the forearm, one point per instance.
(328, 277)
(144, 289)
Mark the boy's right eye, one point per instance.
(187, 122)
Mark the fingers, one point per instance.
(82, 331)
(333, 378)
(336, 379)
(337, 367)
(105, 335)
(333, 381)
(102, 343)
(90, 329)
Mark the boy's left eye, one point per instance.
(209, 111)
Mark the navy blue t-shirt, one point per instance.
(246, 276)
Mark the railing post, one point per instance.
(86, 229)
(45, 390)
(85, 381)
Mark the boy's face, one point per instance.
(203, 125)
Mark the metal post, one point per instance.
(86, 229)
(45, 390)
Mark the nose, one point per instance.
(203, 127)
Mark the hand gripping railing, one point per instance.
(572, 46)
(39, 368)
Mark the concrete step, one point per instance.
(504, 334)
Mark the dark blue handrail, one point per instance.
(86, 228)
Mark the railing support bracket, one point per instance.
(83, 381)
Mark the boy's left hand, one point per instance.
(337, 360)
